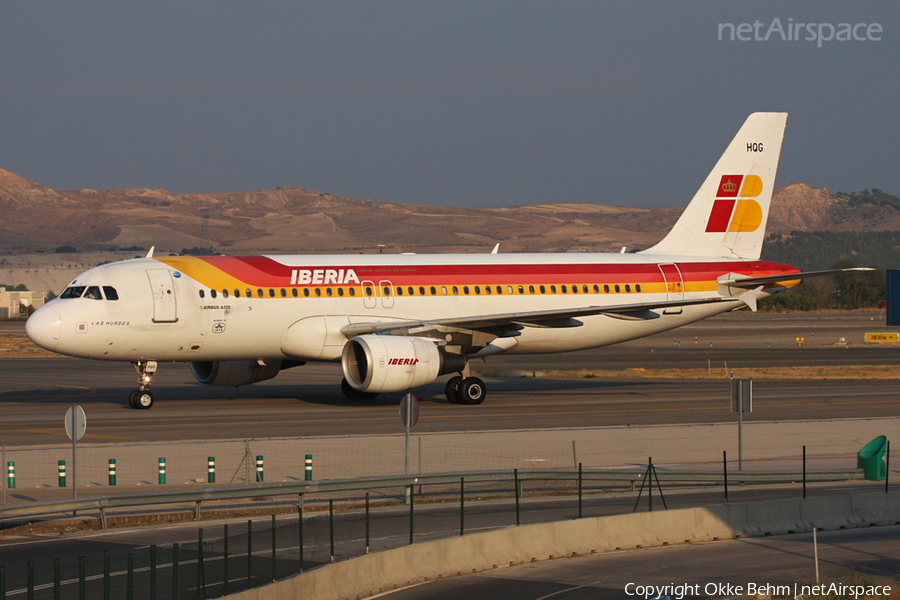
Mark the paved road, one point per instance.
(777, 560)
(306, 400)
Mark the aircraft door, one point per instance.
(674, 286)
(164, 308)
(387, 294)
(369, 294)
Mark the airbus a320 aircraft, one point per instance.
(398, 322)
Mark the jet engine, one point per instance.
(234, 372)
(387, 363)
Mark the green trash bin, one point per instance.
(871, 459)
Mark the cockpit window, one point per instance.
(93, 293)
(73, 292)
(110, 293)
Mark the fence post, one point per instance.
(259, 469)
(516, 482)
(367, 522)
(411, 503)
(308, 475)
(579, 488)
(273, 547)
(249, 553)
(462, 506)
(725, 472)
(61, 469)
(11, 474)
(804, 472)
(162, 470)
(887, 467)
(331, 527)
(210, 469)
(112, 471)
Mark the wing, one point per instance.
(565, 317)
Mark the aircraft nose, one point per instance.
(43, 328)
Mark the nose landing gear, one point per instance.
(142, 398)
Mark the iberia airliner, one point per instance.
(398, 322)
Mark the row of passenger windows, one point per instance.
(90, 292)
(477, 290)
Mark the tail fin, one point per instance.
(727, 217)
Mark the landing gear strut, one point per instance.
(142, 398)
(470, 390)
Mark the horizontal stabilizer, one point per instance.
(736, 280)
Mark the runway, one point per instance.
(306, 401)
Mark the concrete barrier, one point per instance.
(383, 571)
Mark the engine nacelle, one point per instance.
(234, 372)
(387, 363)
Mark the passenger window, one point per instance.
(294, 292)
(422, 290)
(306, 292)
(387, 290)
(574, 289)
(487, 289)
(249, 293)
(499, 289)
(283, 293)
(202, 294)
(271, 293)
(212, 293)
(224, 293)
(411, 290)
(627, 288)
(552, 289)
(455, 290)
(111, 293)
(606, 288)
(521, 289)
(352, 291)
(563, 289)
(466, 290)
(584, 289)
(399, 291)
(433, 291)
(543, 290)
(237, 293)
(340, 291)
(93, 293)
(509, 289)
(531, 289)
(318, 292)
(368, 291)
(617, 288)
(637, 288)
(259, 292)
(328, 292)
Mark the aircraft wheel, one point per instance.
(451, 391)
(142, 400)
(472, 391)
(351, 393)
(132, 398)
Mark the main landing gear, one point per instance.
(142, 398)
(470, 390)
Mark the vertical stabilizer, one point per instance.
(727, 217)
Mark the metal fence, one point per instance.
(336, 520)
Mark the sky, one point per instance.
(459, 103)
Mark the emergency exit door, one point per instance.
(164, 307)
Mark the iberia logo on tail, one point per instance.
(734, 210)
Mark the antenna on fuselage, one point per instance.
(496, 248)
(150, 254)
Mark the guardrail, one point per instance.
(197, 497)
